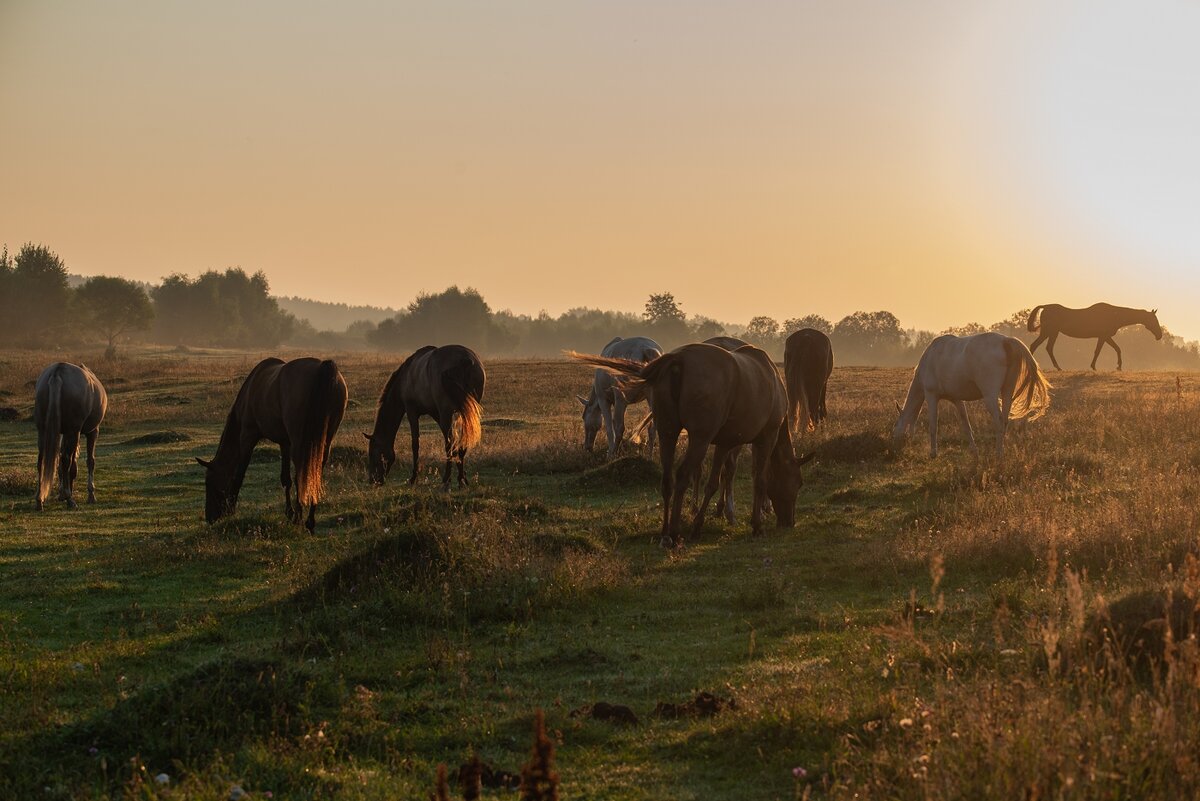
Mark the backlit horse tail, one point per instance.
(465, 393)
(51, 429)
(1031, 389)
(1034, 323)
(800, 406)
(317, 432)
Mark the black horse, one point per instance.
(807, 365)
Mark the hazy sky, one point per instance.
(948, 161)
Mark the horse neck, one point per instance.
(389, 413)
(784, 449)
(912, 404)
(227, 461)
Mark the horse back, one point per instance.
(83, 400)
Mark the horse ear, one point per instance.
(205, 463)
(582, 399)
(1154, 311)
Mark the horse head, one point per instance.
(1153, 325)
(784, 480)
(381, 455)
(220, 496)
(592, 419)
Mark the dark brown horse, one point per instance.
(68, 401)
(723, 399)
(445, 383)
(1100, 320)
(807, 365)
(297, 405)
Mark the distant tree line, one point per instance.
(39, 308)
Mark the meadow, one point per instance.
(954, 628)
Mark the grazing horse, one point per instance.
(723, 399)
(807, 365)
(1100, 320)
(997, 368)
(68, 401)
(606, 403)
(298, 405)
(445, 383)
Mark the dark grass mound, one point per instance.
(15, 482)
(218, 707)
(394, 562)
(624, 473)
(158, 438)
(346, 456)
(505, 422)
(265, 454)
(854, 448)
(1137, 627)
(9, 414)
(171, 400)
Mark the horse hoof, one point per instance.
(38, 505)
(91, 499)
(71, 504)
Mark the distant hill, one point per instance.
(333, 316)
(322, 315)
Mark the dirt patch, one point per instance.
(704, 705)
(609, 713)
(158, 438)
(622, 473)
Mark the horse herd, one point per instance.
(724, 392)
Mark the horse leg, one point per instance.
(1096, 355)
(70, 468)
(999, 419)
(285, 479)
(727, 473)
(760, 454)
(41, 456)
(1040, 339)
(1050, 349)
(446, 436)
(311, 523)
(1110, 341)
(932, 402)
(414, 428)
(91, 464)
(618, 422)
(606, 413)
(714, 482)
(667, 439)
(966, 425)
(689, 466)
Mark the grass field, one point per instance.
(930, 629)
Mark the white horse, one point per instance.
(606, 403)
(997, 368)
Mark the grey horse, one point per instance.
(606, 403)
(68, 401)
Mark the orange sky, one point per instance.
(950, 162)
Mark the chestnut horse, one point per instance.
(807, 365)
(445, 383)
(68, 401)
(723, 399)
(1100, 320)
(298, 405)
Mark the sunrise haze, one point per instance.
(949, 162)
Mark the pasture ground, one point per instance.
(928, 630)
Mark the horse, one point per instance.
(1100, 320)
(723, 399)
(606, 403)
(997, 368)
(807, 365)
(445, 383)
(298, 405)
(68, 401)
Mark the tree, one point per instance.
(874, 337)
(706, 328)
(965, 330)
(114, 307)
(453, 315)
(762, 331)
(816, 321)
(662, 308)
(38, 295)
(230, 309)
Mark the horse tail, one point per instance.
(466, 429)
(320, 424)
(632, 371)
(51, 430)
(640, 430)
(1030, 387)
(800, 406)
(1034, 323)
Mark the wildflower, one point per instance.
(905, 722)
(236, 793)
(799, 772)
(162, 779)
(93, 751)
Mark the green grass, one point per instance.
(415, 627)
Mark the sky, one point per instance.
(947, 161)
